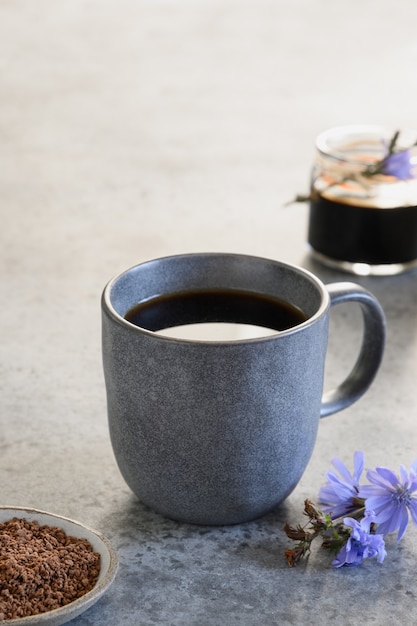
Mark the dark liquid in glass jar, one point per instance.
(361, 234)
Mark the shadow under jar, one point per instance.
(363, 200)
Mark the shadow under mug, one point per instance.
(220, 432)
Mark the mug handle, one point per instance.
(372, 349)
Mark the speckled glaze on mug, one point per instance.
(220, 432)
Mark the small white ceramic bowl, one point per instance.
(108, 565)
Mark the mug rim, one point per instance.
(108, 307)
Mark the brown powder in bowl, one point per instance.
(42, 568)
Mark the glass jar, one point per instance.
(363, 200)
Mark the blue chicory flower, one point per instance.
(398, 164)
(339, 496)
(392, 498)
(361, 543)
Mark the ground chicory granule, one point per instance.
(42, 568)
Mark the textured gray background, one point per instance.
(131, 129)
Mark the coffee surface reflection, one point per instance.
(215, 314)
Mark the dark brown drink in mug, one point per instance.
(258, 313)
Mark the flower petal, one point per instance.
(350, 522)
(340, 559)
(413, 509)
(341, 487)
(369, 491)
(358, 465)
(382, 506)
(342, 469)
(403, 523)
(404, 479)
(388, 477)
(399, 165)
(391, 522)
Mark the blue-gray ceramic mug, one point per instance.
(220, 431)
